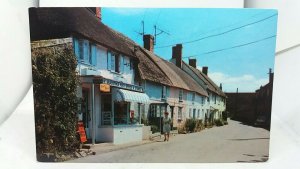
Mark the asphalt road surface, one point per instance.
(234, 142)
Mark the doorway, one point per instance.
(86, 111)
(172, 116)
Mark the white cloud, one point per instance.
(245, 83)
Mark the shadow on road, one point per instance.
(245, 139)
(254, 161)
(263, 158)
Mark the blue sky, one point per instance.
(243, 67)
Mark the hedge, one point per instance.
(55, 102)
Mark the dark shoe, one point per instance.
(165, 139)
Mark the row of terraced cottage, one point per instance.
(122, 84)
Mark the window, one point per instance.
(193, 97)
(122, 63)
(179, 113)
(163, 92)
(121, 113)
(80, 49)
(180, 95)
(85, 51)
(106, 110)
(208, 98)
(215, 98)
(113, 62)
(202, 100)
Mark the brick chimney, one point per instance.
(205, 70)
(271, 76)
(96, 11)
(177, 55)
(149, 42)
(193, 63)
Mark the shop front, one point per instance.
(118, 116)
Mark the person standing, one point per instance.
(167, 126)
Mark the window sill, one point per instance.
(116, 73)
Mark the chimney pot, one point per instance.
(205, 70)
(96, 11)
(193, 63)
(177, 55)
(148, 42)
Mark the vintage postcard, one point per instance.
(152, 85)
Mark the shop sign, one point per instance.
(119, 84)
(104, 87)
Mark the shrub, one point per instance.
(55, 101)
(154, 129)
(182, 130)
(219, 122)
(199, 125)
(190, 125)
(225, 122)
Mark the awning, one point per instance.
(130, 96)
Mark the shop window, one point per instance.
(106, 110)
(121, 113)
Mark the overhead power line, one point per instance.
(232, 47)
(222, 33)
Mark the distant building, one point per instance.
(249, 107)
(263, 97)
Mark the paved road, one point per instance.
(231, 143)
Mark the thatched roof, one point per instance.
(177, 76)
(51, 23)
(210, 84)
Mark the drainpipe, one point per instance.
(93, 114)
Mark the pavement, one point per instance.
(234, 142)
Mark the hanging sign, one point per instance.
(104, 87)
(81, 131)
